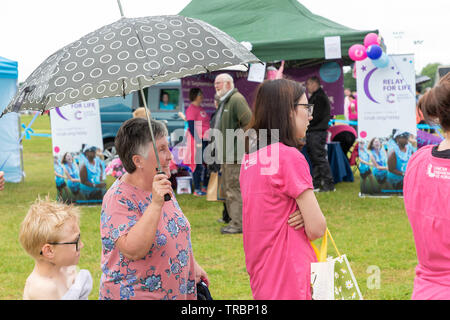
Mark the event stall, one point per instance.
(281, 30)
(10, 148)
(308, 44)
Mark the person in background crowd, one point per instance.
(60, 181)
(353, 110)
(316, 136)
(101, 158)
(378, 159)
(164, 103)
(2, 180)
(91, 173)
(233, 114)
(365, 170)
(215, 167)
(281, 215)
(198, 123)
(72, 173)
(50, 234)
(141, 231)
(398, 158)
(425, 193)
(347, 93)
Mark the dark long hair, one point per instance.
(275, 101)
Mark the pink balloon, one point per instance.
(370, 39)
(357, 52)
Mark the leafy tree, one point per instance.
(430, 71)
(349, 81)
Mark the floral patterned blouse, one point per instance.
(167, 271)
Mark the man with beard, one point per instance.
(233, 113)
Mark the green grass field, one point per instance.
(374, 233)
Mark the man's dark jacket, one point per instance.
(321, 111)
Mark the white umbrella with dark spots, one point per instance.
(128, 55)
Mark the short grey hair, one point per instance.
(226, 77)
(133, 138)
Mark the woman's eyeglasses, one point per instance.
(76, 243)
(309, 107)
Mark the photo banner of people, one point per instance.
(79, 167)
(387, 133)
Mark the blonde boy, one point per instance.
(50, 234)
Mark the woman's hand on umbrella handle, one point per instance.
(296, 220)
(161, 186)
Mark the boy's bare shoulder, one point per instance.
(40, 288)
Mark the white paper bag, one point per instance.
(322, 280)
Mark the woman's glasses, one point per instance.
(76, 243)
(309, 107)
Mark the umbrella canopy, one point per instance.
(125, 56)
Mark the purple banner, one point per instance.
(330, 73)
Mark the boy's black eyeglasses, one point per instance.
(309, 107)
(76, 243)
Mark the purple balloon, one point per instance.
(374, 51)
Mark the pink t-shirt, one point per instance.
(167, 271)
(278, 257)
(201, 118)
(426, 190)
(353, 115)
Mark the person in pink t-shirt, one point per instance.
(280, 212)
(198, 126)
(146, 241)
(426, 188)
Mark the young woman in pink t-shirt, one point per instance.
(280, 212)
(426, 188)
(198, 126)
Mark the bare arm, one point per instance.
(200, 274)
(392, 164)
(67, 175)
(375, 164)
(84, 180)
(58, 175)
(137, 242)
(83, 176)
(314, 220)
(365, 162)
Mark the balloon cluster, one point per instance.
(371, 49)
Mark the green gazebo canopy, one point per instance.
(277, 29)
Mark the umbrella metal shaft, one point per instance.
(120, 8)
(147, 112)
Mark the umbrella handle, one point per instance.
(167, 196)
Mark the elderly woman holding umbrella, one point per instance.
(147, 251)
